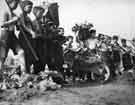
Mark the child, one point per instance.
(116, 58)
(126, 57)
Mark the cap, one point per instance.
(123, 40)
(25, 3)
(133, 39)
(38, 8)
(115, 37)
(10, 1)
(92, 31)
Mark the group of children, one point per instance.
(115, 54)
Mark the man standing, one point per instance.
(40, 39)
(26, 27)
(8, 38)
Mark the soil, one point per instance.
(120, 91)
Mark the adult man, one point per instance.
(26, 27)
(8, 38)
(54, 49)
(40, 39)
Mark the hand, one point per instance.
(33, 34)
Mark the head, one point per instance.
(50, 25)
(93, 33)
(61, 31)
(133, 40)
(38, 11)
(115, 38)
(26, 6)
(108, 40)
(123, 42)
(90, 25)
(74, 29)
(100, 36)
(70, 39)
(12, 4)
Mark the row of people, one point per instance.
(109, 48)
(31, 33)
(117, 54)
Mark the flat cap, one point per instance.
(25, 3)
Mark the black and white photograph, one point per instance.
(67, 52)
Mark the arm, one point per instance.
(26, 28)
(133, 49)
(5, 18)
(8, 22)
(129, 49)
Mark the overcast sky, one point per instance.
(108, 16)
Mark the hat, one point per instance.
(25, 3)
(92, 31)
(133, 39)
(38, 8)
(109, 37)
(10, 1)
(123, 40)
(49, 22)
(115, 37)
(100, 35)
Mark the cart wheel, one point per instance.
(104, 76)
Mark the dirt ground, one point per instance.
(117, 92)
